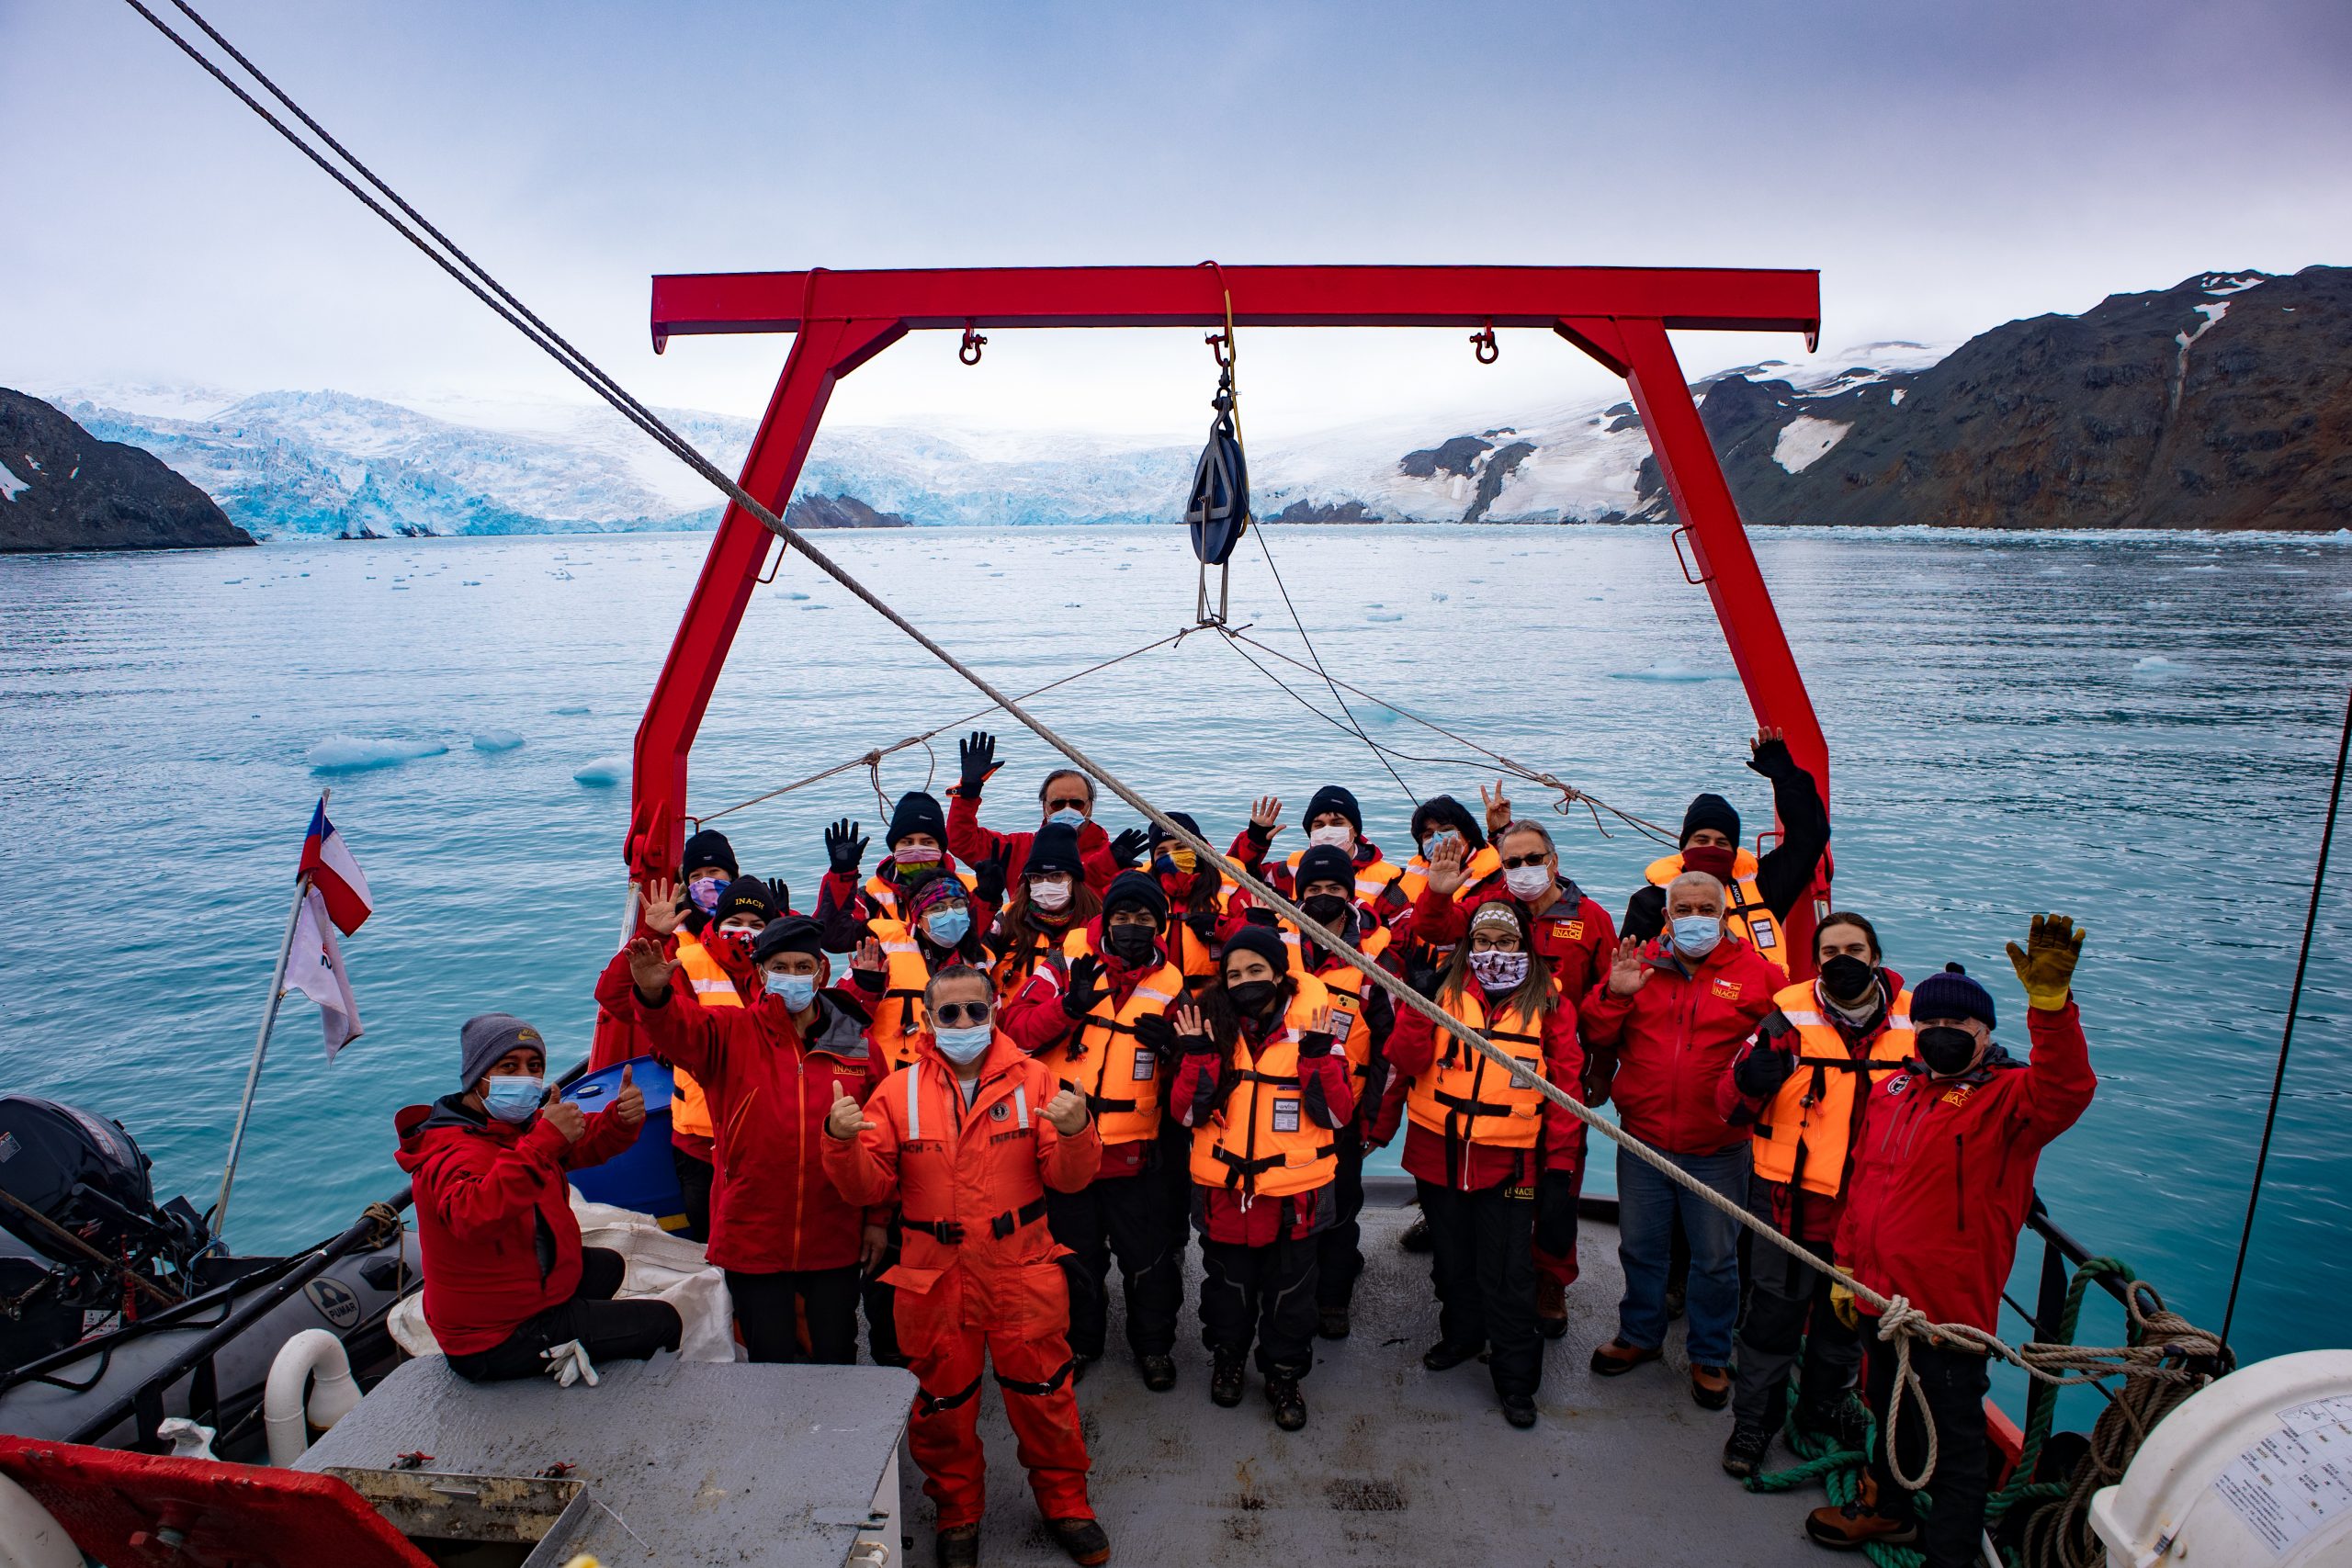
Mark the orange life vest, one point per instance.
(1749, 918)
(1195, 958)
(894, 1036)
(689, 1111)
(1260, 1143)
(1481, 865)
(1803, 1134)
(1464, 1097)
(1105, 1061)
(1346, 988)
(1011, 971)
(1370, 879)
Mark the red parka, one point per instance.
(494, 1215)
(1945, 1175)
(967, 838)
(1575, 935)
(1665, 1049)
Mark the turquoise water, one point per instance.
(2136, 731)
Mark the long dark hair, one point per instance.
(1024, 939)
(1223, 1018)
(1536, 995)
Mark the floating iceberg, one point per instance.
(604, 772)
(497, 740)
(358, 753)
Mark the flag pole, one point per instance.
(261, 1045)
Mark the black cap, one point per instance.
(1054, 849)
(1137, 890)
(745, 896)
(1952, 994)
(917, 813)
(1333, 797)
(792, 933)
(1444, 811)
(1263, 941)
(1183, 819)
(708, 847)
(1710, 811)
(1324, 863)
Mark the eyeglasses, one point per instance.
(1071, 804)
(955, 1015)
(1512, 863)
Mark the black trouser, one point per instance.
(881, 1307)
(1483, 1262)
(1125, 1217)
(1783, 1297)
(1339, 1251)
(765, 1312)
(1266, 1292)
(695, 1177)
(1955, 1382)
(610, 1330)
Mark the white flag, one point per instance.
(314, 967)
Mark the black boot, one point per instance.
(1290, 1404)
(1083, 1538)
(1159, 1372)
(1416, 1235)
(1744, 1452)
(1331, 1322)
(1518, 1409)
(1225, 1382)
(1444, 1356)
(958, 1546)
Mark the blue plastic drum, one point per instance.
(641, 1176)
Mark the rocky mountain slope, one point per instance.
(63, 488)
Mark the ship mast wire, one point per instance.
(2166, 1350)
(2287, 1036)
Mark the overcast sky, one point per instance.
(1946, 167)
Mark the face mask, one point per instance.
(1497, 970)
(947, 926)
(1130, 945)
(1695, 935)
(1069, 817)
(1849, 979)
(1251, 995)
(706, 891)
(909, 858)
(798, 991)
(744, 934)
(1339, 835)
(514, 1100)
(1328, 910)
(1436, 842)
(963, 1046)
(1527, 881)
(1946, 1050)
(1180, 860)
(1049, 895)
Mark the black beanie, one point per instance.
(1332, 797)
(708, 847)
(1324, 863)
(1054, 849)
(1182, 819)
(745, 895)
(1134, 889)
(1951, 994)
(794, 933)
(1444, 811)
(917, 813)
(1710, 811)
(1263, 941)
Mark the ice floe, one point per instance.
(358, 753)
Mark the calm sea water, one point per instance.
(2135, 731)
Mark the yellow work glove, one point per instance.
(2045, 966)
(1841, 1302)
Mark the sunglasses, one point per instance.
(1072, 804)
(1512, 863)
(955, 1015)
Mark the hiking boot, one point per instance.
(1519, 1410)
(1710, 1386)
(1225, 1382)
(1159, 1372)
(1616, 1359)
(1744, 1452)
(1443, 1357)
(1078, 1366)
(1551, 1307)
(1290, 1404)
(1083, 1538)
(1852, 1526)
(1416, 1235)
(1845, 1424)
(1331, 1322)
(958, 1546)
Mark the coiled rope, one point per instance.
(1899, 1321)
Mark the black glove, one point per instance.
(1127, 849)
(1312, 1043)
(1155, 1034)
(988, 879)
(1760, 1074)
(1771, 759)
(977, 754)
(1203, 923)
(1261, 833)
(1085, 988)
(1201, 1045)
(873, 982)
(844, 847)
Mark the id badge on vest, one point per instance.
(1146, 1065)
(1343, 1023)
(1285, 1113)
(1760, 927)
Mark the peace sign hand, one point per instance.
(1497, 805)
(1627, 973)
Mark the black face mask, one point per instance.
(1328, 910)
(1254, 997)
(1847, 978)
(1129, 944)
(1946, 1050)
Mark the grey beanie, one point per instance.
(482, 1040)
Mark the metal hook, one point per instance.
(969, 352)
(1483, 346)
(1217, 343)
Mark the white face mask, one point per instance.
(1527, 881)
(1339, 835)
(1049, 895)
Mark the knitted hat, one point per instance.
(939, 887)
(745, 896)
(708, 847)
(917, 813)
(482, 1040)
(1332, 797)
(1498, 913)
(1135, 890)
(792, 933)
(1325, 862)
(1951, 994)
(1444, 811)
(1710, 811)
(1181, 818)
(1263, 941)
(1054, 849)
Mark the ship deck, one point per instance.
(1398, 1464)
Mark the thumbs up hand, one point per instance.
(1066, 1111)
(630, 1106)
(846, 1120)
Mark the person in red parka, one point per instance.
(966, 1140)
(772, 1070)
(1941, 1186)
(1667, 1023)
(1066, 797)
(508, 1289)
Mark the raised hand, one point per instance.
(1627, 973)
(976, 755)
(1447, 871)
(1066, 1111)
(1192, 1029)
(1315, 1040)
(1266, 818)
(846, 1120)
(565, 1117)
(988, 879)
(1126, 847)
(630, 1106)
(844, 848)
(1085, 988)
(658, 905)
(1498, 805)
(647, 969)
(869, 966)
(1768, 750)
(2045, 966)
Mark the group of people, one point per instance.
(1054, 1051)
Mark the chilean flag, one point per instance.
(327, 861)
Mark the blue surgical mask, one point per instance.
(1436, 841)
(514, 1100)
(965, 1045)
(947, 926)
(705, 892)
(1069, 817)
(1695, 935)
(798, 991)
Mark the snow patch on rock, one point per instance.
(1805, 440)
